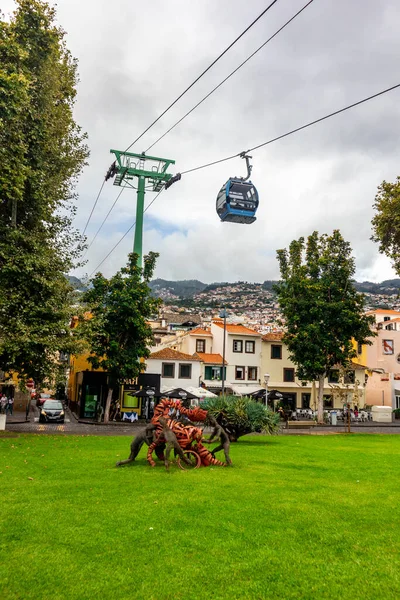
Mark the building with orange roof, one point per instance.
(177, 369)
(383, 359)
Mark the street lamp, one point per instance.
(266, 379)
(223, 314)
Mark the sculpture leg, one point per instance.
(136, 445)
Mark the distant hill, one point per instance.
(189, 288)
(389, 287)
(76, 283)
(184, 289)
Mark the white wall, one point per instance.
(155, 366)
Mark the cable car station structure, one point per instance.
(129, 167)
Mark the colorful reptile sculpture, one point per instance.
(188, 436)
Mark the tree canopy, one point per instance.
(42, 152)
(116, 326)
(321, 309)
(386, 222)
(241, 415)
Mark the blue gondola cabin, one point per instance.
(237, 202)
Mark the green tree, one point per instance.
(386, 222)
(321, 309)
(241, 415)
(117, 331)
(42, 152)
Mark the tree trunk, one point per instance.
(108, 404)
(320, 416)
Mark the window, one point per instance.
(350, 377)
(200, 345)
(276, 351)
(185, 371)
(252, 374)
(288, 375)
(239, 372)
(305, 400)
(168, 370)
(333, 376)
(397, 401)
(237, 346)
(387, 346)
(359, 348)
(213, 373)
(386, 318)
(250, 347)
(328, 402)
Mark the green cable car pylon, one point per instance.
(129, 167)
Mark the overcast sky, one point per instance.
(136, 58)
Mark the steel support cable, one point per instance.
(229, 76)
(204, 72)
(215, 162)
(279, 137)
(94, 206)
(124, 236)
(102, 225)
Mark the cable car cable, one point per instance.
(124, 236)
(279, 137)
(255, 148)
(94, 206)
(203, 73)
(104, 220)
(228, 77)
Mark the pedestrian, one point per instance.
(117, 415)
(3, 403)
(10, 405)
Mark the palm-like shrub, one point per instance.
(242, 415)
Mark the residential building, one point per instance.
(177, 369)
(382, 357)
(339, 387)
(212, 371)
(242, 355)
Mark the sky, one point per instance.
(136, 58)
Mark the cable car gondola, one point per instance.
(237, 200)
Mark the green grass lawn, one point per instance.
(296, 517)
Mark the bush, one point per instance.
(396, 413)
(241, 415)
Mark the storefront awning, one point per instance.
(244, 390)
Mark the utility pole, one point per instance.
(128, 169)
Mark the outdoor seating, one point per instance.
(304, 424)
(130, 416)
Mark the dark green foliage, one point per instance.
(386, 222)
(117, 332)
(241, 415)
(42, 152)
(321, 308)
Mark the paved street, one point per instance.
(72, 426)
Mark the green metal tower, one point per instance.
(129, 167)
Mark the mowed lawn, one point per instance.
(296, 517)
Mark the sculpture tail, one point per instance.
(207, 458)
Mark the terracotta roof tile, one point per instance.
(214, 359)
(170, 354)
(383, 311)
(273, 337)
(200, 331)
(237, 329)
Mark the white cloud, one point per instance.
(134, 61)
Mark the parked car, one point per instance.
(52, 411)
(41, 399)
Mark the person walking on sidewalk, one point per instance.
(10, 405)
